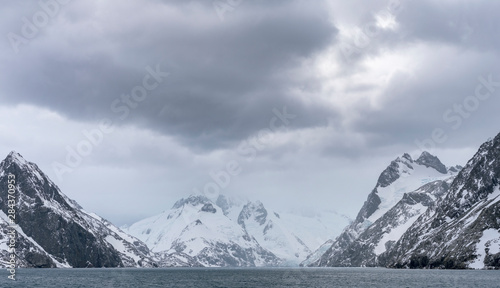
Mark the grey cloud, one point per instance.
(412, 105)
(465, 23)
(225, 77)
(415, 106)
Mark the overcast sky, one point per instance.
(130, 105)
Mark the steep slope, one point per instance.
(54, 231)
(28, 252)
(197, 229)
(269, 231)
(385, 231)
(402, 175)
(462, 231)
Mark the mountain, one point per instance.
(463, 229)
(269, 230)
(374, 220)
(52, 230)
(366, 249)
(230, 231)
(197, 229)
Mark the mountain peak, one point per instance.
(192, 200)
(392, 172)
(407, 157)
(12, 153)
(13, 156)
(429, 160)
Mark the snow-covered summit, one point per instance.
(198, 228)
(403, 175)
(429, 160)
(449, 223)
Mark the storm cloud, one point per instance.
(186, 83)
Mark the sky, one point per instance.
(130, 105)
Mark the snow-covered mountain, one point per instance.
(447, 223)
(234, 232)
(374, 220)
(52, 230)
(463, 229)
(380, 236)
(197, 229)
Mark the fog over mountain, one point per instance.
(140, 103)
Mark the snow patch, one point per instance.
(491, 241)
(395, 233)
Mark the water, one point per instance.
(243, 277)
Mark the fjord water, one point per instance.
(244, 277)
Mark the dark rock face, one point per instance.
(38, 260)
(369, 207)
(456, 168)
(223, 203)
(193, 200)
(209, 208)
(59, 237)
(257, 210)
(57, 223)
(389, 175)
(28, 255)
(431, 161)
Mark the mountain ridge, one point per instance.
(446, 223)
(268, 232)
(402, 175)
(463, 230)
(61, 233)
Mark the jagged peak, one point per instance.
(407, 157)
(14, 153)
(254, 204)
(391, 173)
(429, 160)
(193, 200)
(14, 156)
(455, 169)
(406, 162)
(490, 143)
(14, 159)
(255, 208)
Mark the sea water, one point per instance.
(246, 277)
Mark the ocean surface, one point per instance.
(245, 277)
